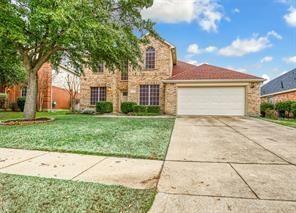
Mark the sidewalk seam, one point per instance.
(25, 160)
(88, 168)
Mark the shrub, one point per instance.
(271, 113)
(127, 107)
(265, 106)
(283, 107)
(153, 109)
(104, 107)
(21, 103)
(14, 107)
(140, 109)
(88, 111)
(293, 109)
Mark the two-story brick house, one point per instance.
(177, 87)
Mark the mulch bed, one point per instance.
(19, 122)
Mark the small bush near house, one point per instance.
(104, 107)
(282, 108)
(153, 109)
(265, 106)
(127, 107)
(293, 109)
(140, 109)
(271, 113)
(21, 103)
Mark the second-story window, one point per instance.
(24, 92)
(150, 58)
(100, 68)
(124, 71)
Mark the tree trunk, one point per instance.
(31, 98)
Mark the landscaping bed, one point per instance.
(33, 194)
(146, 138)
(18, 122)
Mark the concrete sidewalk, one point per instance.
(133, 173)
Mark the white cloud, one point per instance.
(265, 76)
(210, 49)
(290, 60)
(207, 13)
(236, 10)
(274, 34)
(290, 17)
(193, 49)
(266, 59)
(241, 47)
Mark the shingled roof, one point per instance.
(280, 84)
(183, 71)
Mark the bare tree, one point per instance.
(72, 89)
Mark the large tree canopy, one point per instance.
(88, 31)
(11, 69)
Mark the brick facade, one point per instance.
(253, 98)
(47, 92)
(163, 71)
(115, 86)
(285, 96)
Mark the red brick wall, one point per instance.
(288, 96)
(61, 97)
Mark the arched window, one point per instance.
(150, 58)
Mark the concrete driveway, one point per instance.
(228, 164)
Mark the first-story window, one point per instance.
(97, 94)
(149, 95)
(24, 92)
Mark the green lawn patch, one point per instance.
(18, 115)
(85, 134)
(285, 122)
(33, 194)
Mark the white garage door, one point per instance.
(211, 101)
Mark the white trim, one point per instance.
(213, 81)
(277, 93)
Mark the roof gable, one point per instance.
(282, 83)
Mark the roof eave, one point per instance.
(213, 80)
(278, 93)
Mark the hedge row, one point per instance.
(131, 107)
(283, 109)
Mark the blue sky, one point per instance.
(254, 36)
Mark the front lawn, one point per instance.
(33, 194)
(85, 134)
(285, 122)
(18, 115)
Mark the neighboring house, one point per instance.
(177, 87)
(282, 88)
(52, 88)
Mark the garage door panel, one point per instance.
(211, 101)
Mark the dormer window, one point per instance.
(150, 58)
(99, 68)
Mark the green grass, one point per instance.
(85, 134)
(285, 122)
(18, 115)
(32, 194)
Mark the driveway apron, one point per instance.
(228, 164)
